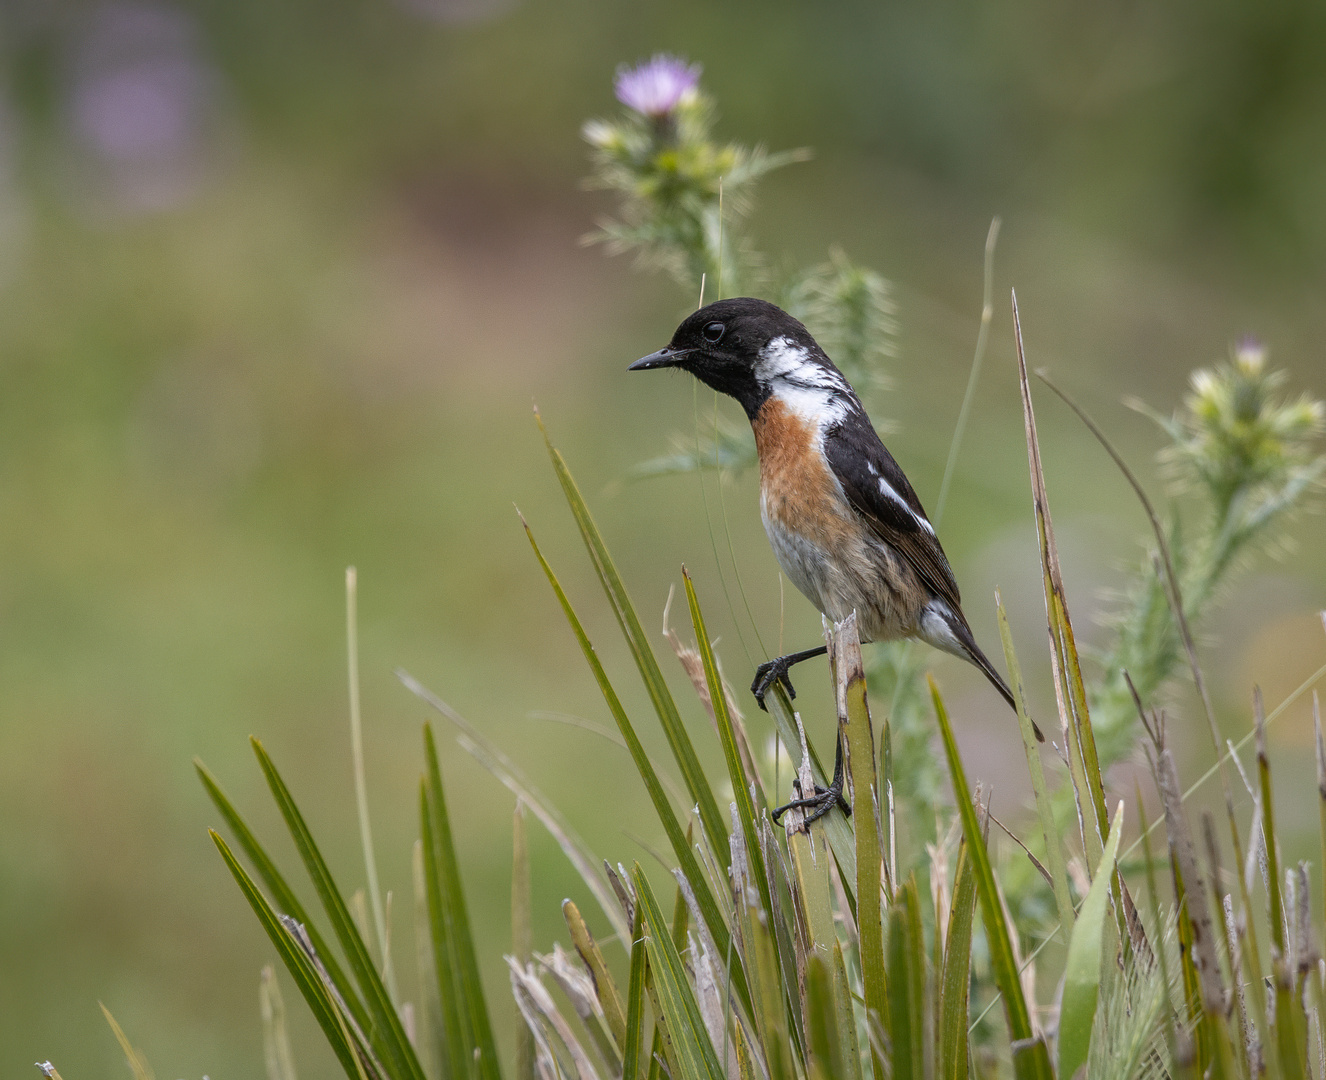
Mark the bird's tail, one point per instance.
(959, 633)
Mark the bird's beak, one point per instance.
(665, 357)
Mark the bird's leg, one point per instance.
(775, 670)
(824, 799)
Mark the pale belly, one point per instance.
(837, 563)
(853, 575)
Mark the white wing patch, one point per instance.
(887, 490)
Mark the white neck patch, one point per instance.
(797, 378)
(783, 360)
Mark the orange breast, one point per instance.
(797, 490)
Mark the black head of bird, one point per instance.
(748, 349)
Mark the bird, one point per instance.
(844, 523)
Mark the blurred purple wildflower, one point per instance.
(655, 87)
(142, 104)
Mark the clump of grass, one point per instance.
(798, 951)
(820, 949)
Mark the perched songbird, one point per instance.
(845, 524)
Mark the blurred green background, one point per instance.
(280, 282)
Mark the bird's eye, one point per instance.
(713, 332)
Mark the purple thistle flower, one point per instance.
(656, 86)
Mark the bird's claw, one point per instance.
(767, 675)
(824, 799)
(815, 807)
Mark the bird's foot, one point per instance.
(819, 804)
(768, 674)
(824, 799)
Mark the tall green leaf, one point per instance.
(512, 777)
(955, 984)
(854, 721)
(826, 1049)
(691, 1045)
(1069, 688)
(385, 1029)
(846, 1016)
(610, 1000)
(906, 1014)
(454, 1062)
(284, 897)
(681, 848)
(837, 829)
(522, 930)
(297, 963)
(741, 783)
(1054, 852)
(1290, 1022)
(480, 1047)
(137, 1061)
(1077, 1014)
(679, 741)
(276, 1052)
(758, 948)
(1031, 1057)
(634, 1034)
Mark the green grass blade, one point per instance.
(610, 1000)
(812, 892)
(1320, 743)
(826, 1052)
(854, 718)
(283, 896)
(455, 1062)
(1158, 928)
(430, 1034)
(741, 783)
(662, 1061)
(1290, 1022)
(310, 986)
(782, 927)
(955, 985)
(691, 1045)
(276, 1052)
(480, 1046)
(1031, 1058)
(1082, 969)
(361, 781)
(1192, 992)
(846, 1016)
(758, 949)
(1054, 852)
(1276, 913)
(1201, 968)
(679, 741)
(385, 1029)
(1069, 688)
(522, 930)
(837, 828)
(906, 1011)
(137, 1062)
(512, 777)
(813, 928)
(635, 1001)
(681, 848)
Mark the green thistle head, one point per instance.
(1237, 435)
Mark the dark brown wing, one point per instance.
(878, 491)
